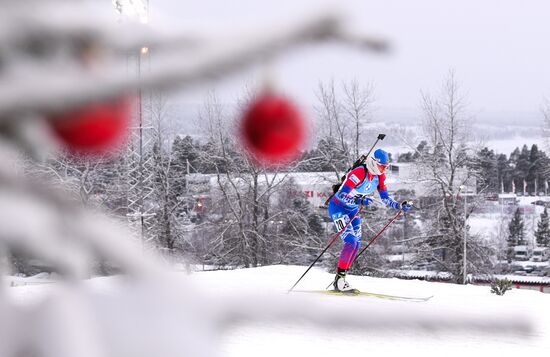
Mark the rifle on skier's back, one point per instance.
(360, 161)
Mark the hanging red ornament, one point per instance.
(273, 130)
(95, 129)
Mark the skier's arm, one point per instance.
(390, 202)
(383, 192)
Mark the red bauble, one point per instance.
(273, 130)
(95, 129)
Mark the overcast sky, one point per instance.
(499, 49)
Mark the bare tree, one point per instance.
(89, 180)
(444, 168)
(358, 102)
(164, 197)
(252, 225)
(342, 122)
(239, 183)
(330, 111)
(334, 129)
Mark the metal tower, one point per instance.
(139, 157)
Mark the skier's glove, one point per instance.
(406, 206)
(365, 201)
(390, 202)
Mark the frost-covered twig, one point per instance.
(42, 84)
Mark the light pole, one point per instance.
(139, 166)
(464, 272)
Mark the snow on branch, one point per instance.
(49, 83)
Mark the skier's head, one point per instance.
(378, 162)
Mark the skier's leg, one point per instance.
(341, 218)
(348, 254)
(349, 251)
(356, 225)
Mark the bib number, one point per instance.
(340, 223)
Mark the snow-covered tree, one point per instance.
(486, 166)
(173, 197)
(243, 192)
(516, 233)
(300, 232)
(504, 173)
(536, 174)
(521, 166)
(445, 168)
(412, 156)
(542, 233)
(499, 239)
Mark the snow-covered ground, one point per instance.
(448, 299)
(391, 328)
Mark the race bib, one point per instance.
(341, 222)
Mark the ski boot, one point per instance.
(341, 285)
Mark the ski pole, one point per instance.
(377, 235)
(336, 235)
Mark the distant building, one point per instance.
(315, 186)
(406, 175)
(507, 199)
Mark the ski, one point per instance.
(356, 292)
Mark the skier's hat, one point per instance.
(377, 163)
(382, 157)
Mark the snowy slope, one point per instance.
(474, 305)
(284, 340)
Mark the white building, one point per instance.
(317, 186)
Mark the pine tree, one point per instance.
(485, 167)
(516, 235)
(186, 154)
(504, 173)
(411, 156)
(542, 234)
(405, 157)
(333, 157)
(513, 166)
(421, 149)
(522, 168)
(501, 286)
(537, 170)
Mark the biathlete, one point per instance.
(344, 205)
